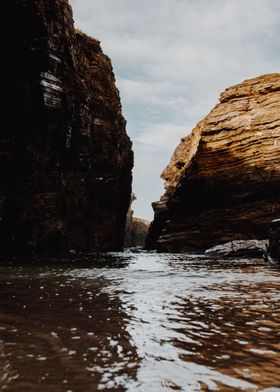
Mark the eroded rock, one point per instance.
(136, 229)
(223, 181)
(241, 248)
(65, 157)
(136, 233)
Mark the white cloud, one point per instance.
(172, 59)
(161, 136)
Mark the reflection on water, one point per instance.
(146, 322)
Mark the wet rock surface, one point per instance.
(65, 157)
(242, 248)
(223, 181)
(273, 250)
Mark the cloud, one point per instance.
(172, 59)
(160, 136)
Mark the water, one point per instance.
(140, 322)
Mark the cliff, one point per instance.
(65, 157)
(223, 181)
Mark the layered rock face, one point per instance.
(65, 157)
(223, 181)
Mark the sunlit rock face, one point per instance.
(223, 181)
(65, 157)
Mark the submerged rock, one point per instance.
(223, 181)
(65, 157)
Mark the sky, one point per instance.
(172, 59)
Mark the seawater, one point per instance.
(140, 322)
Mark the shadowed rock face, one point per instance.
(65, 157)
(274, 241)
(223, 181)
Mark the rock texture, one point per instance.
(223, 181)
(65, 157)
(136, 233)
(136, 229)
(241, 248)
(273, 248)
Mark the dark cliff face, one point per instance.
(223, 181)
(65, 157)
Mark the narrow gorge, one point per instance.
(223, 181)
(84, 307)
(65, 157)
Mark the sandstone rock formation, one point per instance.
(136, 233)
(136, 229)
(129, 223)
(65, 157)
(223, 181)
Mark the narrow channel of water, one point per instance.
(140, 322)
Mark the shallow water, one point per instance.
(140, 322)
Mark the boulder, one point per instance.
(242, 248)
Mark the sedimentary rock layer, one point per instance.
(65, 157)
(223, 181)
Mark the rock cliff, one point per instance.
(223, 181)
(65, 157)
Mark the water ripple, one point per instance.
(144, 322)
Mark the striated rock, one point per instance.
(65, 157)
(223, 181)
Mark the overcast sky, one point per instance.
(172, 59)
